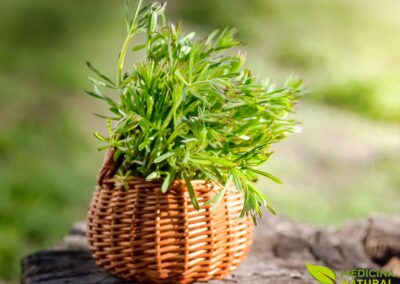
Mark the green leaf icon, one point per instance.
(322, 274)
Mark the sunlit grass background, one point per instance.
(344, 165)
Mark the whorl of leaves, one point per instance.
(189, 110)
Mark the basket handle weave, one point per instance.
(109, 166)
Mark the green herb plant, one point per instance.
(189, 110)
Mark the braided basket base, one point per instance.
(145, 235)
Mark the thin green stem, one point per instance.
(131, 33)
(122, 58)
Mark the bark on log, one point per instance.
(279, 253)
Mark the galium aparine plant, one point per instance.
(190, 110)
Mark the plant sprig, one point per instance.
(189, 110)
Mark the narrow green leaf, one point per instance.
(93, 94)
(117, 154)
(180, 77)
(102, 97)
(274, 178)
(98, 73)
(192, 193)
(236, 180)
(99, 83)
(100, 115)
(100, 137)
(163, 157)
(186, 158)
(216, 199)
(167, 181)
(270, 209)
(128, 21)
(138, 47)
(153, 176)
(211, 37)
(220, 161)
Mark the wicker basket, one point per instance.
(145, 235)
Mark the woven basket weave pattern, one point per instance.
(145, 235)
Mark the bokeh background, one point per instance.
(344, 165)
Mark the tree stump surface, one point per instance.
(279, 253)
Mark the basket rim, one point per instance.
(199, 185)
(139, 178)
(175, 183)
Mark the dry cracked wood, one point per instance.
(281, 249)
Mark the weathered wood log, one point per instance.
(279, 253)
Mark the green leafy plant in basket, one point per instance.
(190, 110)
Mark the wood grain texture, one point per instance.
(281, 248)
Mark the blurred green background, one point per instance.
(344, 165)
